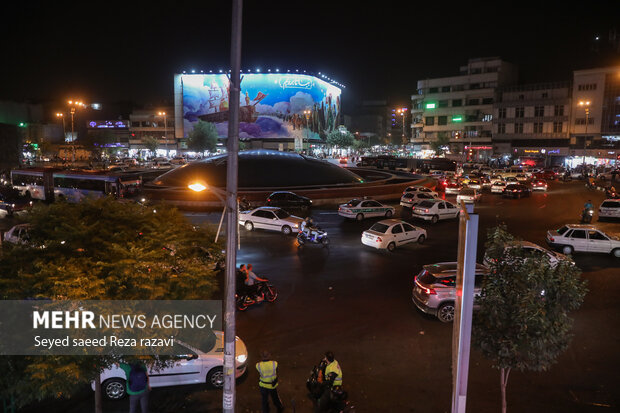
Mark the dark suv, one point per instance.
(285, 199)
(516, 191)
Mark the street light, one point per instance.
(62, 116)
(165, 130)
(586, 105)
(402, 112)
(74, 104)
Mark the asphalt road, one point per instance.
(356, 302)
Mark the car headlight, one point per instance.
(241, 358)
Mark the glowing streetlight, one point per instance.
(74, 104)
(586, 105)
(165, 130)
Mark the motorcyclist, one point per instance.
(586, 214)
(588, 205)
(309, 228)
(251, 279)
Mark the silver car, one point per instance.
(434, 289)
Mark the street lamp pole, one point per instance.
(165, 131)
(307, 113)
(228, 396)
(586, 105)
(74, 105)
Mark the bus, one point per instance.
(409, 164)
(47, 184)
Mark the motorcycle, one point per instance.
(264, 292)
(586, 215)
(609, 194)
(319, 238)
(330, 398)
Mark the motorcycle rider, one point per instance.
(332, 380)
(586, 215)
(309, 229)
(251, 279)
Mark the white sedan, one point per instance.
(434, 210)
(418, 189)
(359, 209)
(411, 199)
(468, 195)
(192, 367)
(270, 218)
(391, 233)
(583, 238)
(498, 187)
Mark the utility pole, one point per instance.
(463, 308)
(228, 396)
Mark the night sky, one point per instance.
(129, 51)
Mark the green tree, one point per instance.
(439, 144)
(99, 250)
(151, 143)
(523, 322)
(339, 139)
(203, 137)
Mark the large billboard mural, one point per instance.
(272, 105)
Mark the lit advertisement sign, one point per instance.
(274, 105)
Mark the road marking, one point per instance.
(328, 213)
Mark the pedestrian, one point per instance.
(268, 382)
(137, 386)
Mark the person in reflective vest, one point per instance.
(333, 367)
(268, 382)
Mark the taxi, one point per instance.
(361, 208)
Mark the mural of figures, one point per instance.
(271, 105)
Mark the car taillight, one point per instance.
(268, 199)
(551, 238)
(379, 239)
(426, 210)
(427, 291)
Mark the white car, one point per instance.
(468, 195)
(359, 209)
(192, 367)
(419, 188)
(536, 250)
(583, 238)
(270, 218)
(411, 199)
(17, 234)
(521, 177)
(511, 180)
(474, 184)
(610, 208)
(391, 233)
(498, 187)
(496, 178)
(434, 210)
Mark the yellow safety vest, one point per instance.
(268, 374)
(334, 367)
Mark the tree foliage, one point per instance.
(203, 137)
(439, 144)
(151, 143)
(523, 322)
(339, 139)
(99, 250)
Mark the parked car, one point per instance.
(286, 199)
(18, 234)
(391, 233)
(536, 251)
(192, 367)
(359, 209)
(435, 210)
(434, 289)
(610, 208)
(468, 195)
(11, 200)
(583, 238)
(270, 218)
(516, 191)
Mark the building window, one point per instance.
(501, 128)
(518, 128)
(445, 89)
(442, 104)
(457, 102)
(433, 90)
(430, 121)
(558, 110)
(475, 86)
(589, 86)
(521, 97)
(519, 112)
(442, 120)
(538, 127)
(473, 102)
(487, 101)
(487, 117)
(539, 111)
(501, 113)
(545, 95)
(557, 127)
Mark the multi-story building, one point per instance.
(158, 124)
(458, 110)
(595, 116)
(532, 120)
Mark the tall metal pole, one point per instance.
(463, 308)
(72, 137)
(585, 140)
(165, 134)
(228, 397)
